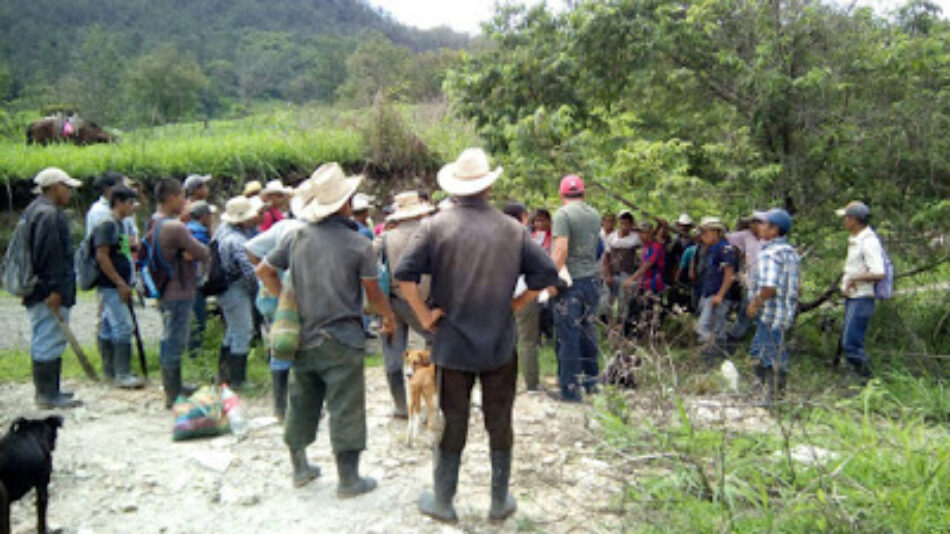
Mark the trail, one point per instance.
(116, 469)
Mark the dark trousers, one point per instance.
(498, 399)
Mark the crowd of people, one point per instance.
(480, 286)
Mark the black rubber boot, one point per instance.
(768, 388)
(782, 383)
(348, 470)
(108, 362)
(224, 362)
(438, 503)
(503, 505)
(303, 471)
(46, 382)
(279, 381)
(237, 367)
(760, 372)
(397, 387)
(124, 378)
(171, 383)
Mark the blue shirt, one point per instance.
(364, 230)
(199, 232)
(718, 257)
(779, 268)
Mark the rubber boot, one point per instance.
(503, 505)
(237, 369)
(438, 503)
(348, 470)
(124, 378)
(108, 362)
(224, 361)
(303, 471)
(397, 387)
(46, 381)
(760, 372)
(768, 389)
(279, 380)
(782, 383)
(171, 383)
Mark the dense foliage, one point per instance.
(720, 106)
(105, 58)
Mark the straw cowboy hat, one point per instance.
(469, 174)
(252, 188)
(241, 209)
(684, 220)
(409, 206)
(362, 202)
(276, 187)
(712, 223)
(326, 191)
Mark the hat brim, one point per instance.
(285, 191)
(452, 185)
(412, 213)
(314, 212)
(713, 226)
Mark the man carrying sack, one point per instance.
(329, 262)
(475, 255)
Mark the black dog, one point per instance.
(26, 462)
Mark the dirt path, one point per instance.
(117, 470)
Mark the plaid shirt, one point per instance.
(779, 268)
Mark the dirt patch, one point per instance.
(117, 470)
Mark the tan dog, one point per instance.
(421, 374)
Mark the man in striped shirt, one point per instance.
(775, 304)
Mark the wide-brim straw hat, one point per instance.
(278, 187)
(712, 223)
(684, 220)
(252, 188)
(470, 174)
(326, 191)
(241, 209)
(409, 205)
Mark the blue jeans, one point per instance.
(712, 322)
(116, 325)
(48, 342)
(267, 306)
(176, 326)
(575, 311)
(769, 345)
(236, 306)
(395, 346)
(200, 310)
(857, 315)
(743, 322)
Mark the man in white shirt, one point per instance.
(863, 267)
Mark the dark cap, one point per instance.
(858, 210)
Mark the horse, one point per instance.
(60, 129)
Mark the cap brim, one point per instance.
(841, 213)
(761, 216)
(314, 212)
(463, 188)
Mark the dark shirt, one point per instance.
(111, 233)
(328, 262)
(475, 255)
(718, 257)
(51, 249)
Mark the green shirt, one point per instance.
(580, 223)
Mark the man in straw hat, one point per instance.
(51, 253)
(275, 197)
(408, 215)
(329, 262)
(237, 301)
(475, 255)
(719, 275)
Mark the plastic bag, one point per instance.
(200, 415)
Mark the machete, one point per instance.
(77, 348)
(138, 340)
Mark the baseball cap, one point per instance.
(760, 216)
(194, 181)
(779, 218)
(858, 210)
(200, 208)
(108, 179)
(53, 175)
(684, 220)
(572, 185)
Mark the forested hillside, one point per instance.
(161, 60)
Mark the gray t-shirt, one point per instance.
(580, 223)
(328, 262)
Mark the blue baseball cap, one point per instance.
(856, 209)
(780, 218)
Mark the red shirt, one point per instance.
(271, 217)
(652, 280)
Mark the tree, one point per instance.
(97, 77)
(376, 66)
(165, 85)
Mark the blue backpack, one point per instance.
(155, 271)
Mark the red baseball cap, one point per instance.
(572, 185)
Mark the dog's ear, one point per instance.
(54, 421)
(16, 424)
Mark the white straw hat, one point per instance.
(326, 191)
(241, 209)
(276, 186)
(469, 174)
(409, 205)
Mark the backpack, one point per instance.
(18, 277)
(217, 281)
(383, 274)
(87, 268)
(884, 288)
(155, 271)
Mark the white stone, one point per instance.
(219, 462)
